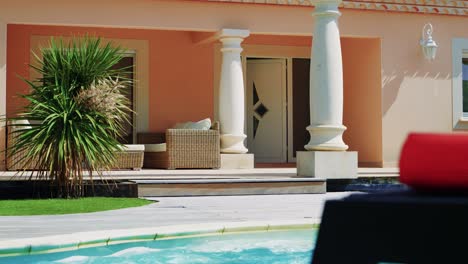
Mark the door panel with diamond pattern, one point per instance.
(266, 105)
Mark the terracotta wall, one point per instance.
(181, 79)
(362, 99)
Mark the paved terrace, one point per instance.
(148, 174)
(172, 211)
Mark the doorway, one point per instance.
(277, 102)
(266, 104)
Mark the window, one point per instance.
(460, 83)
(128, 63)
(138, 50)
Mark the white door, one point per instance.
(266, 109)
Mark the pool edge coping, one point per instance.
(79, 240)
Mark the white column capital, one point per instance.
(232, 33)
(327, 8)
(232, 39)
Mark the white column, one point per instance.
(231, 92)
(3, 47)
(326, 80)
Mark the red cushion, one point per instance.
(435, 161)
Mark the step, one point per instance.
(378, 172)
(242, 186)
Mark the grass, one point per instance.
(66, 206)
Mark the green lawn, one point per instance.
(66, 206)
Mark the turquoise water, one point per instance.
(275, 247)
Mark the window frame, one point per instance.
(459, 52)
(133, 54)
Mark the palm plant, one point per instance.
(77, 111)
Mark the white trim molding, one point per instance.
(459, 51)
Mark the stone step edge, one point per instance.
(216, 181)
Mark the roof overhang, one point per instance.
(440, 7)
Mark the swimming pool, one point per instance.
(273, 247)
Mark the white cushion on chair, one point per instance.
(24, 124)
(134, 147)
(204, 124)
(155, 147)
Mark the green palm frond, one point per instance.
(74, 132)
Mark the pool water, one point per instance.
(274, 247)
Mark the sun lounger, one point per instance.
(427, 224)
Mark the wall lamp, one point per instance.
(429, 46)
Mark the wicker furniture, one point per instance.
(187, 148)
(16, 161)
(131, 157)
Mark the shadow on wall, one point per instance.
(416, 97)
(393, 83)
(406, 72)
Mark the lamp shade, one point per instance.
(429, 49)
(429, 46)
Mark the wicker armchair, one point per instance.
(187, 148)
(130, 157)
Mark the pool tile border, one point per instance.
(76, 241)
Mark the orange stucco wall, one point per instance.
(181, 74)
(362, 106)
(181, 77)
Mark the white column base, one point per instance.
(326, 137)
(327, 164)
(233, 144)
(237, 161)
